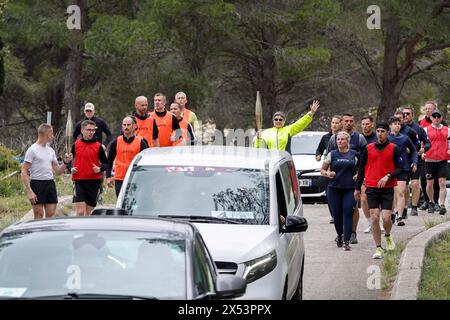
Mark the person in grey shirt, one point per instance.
(39, 163)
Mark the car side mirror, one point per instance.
(109, 212)
(295, 224)
(230, 286)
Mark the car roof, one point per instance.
(105, 223)
(230, 156)
(306, 133)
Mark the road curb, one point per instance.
(62, 201)
(406, 285)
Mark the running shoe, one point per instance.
(390, 245)
(368, 229)
(353, 239)
(442, 210)
(424, 206)
(347, 246)
(414, 211)
(339, 242)
(431, 208)
(378, 253)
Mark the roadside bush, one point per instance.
(7, 163)
(12, 185)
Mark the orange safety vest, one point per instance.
(125, 153)
(184, 140)
(145, 129)
(165, 130)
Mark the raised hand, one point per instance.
(314, 106)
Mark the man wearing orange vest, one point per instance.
(436, 161)
(122, 151)
(188, 115)
(186, 137)
(90, 161)
(166, 121)
(146, 125)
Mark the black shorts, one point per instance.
(404, 176)
(436, 170)
(419, 172)
(377, 197)
(86, 191)
(45, 191)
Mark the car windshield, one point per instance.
(211, 193)
(305, 143)
(52, 263)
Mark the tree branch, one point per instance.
(430, 49)
(428, 67)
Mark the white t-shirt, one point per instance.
(41, 159)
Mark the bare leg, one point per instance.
(400, 196)
(376, 231)
(364, 203)
(387, 222)
(80, 208)
(38, 211)
(89, 210)
(415, 189)
(442, 190)
(430, 189)
(50, 209)
(355, 219)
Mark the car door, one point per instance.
(290, 199)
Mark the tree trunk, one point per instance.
(2, 70)
(74, 65)
(390, 90)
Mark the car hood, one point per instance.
(306, 162)
(238, 243)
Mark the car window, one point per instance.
(305, 143)
(101, 262)
(203, 276)
(236, 194)
(281, 199)
(289, 193)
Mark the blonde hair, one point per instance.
(345, 133)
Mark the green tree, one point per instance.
(413, 38)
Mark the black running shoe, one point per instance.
(424, 206)
(339, 242)
(431, 208)
(442, 210)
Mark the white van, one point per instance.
(245, 202)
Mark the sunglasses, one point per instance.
(278, 119)
(436, 116)
(406, 113)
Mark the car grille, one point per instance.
(226, 267)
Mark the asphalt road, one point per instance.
(334, 274)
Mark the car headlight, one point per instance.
(259, 267)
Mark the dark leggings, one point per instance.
(342, 203)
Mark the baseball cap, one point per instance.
(89, 106)
(436, 112)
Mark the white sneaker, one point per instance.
(382, 229)
(369, 228)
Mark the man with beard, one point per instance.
(122, 151)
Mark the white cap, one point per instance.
(89, 106)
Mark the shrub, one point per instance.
(7, 163)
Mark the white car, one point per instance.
(234, 196)
(303, 149)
